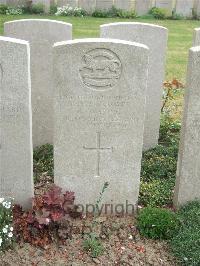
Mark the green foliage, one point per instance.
(98, 13)
(93, 245)
(70, 11)
(37, 8)
(157, 223)
(14, 11)
(53, 9)
(158, 13)
(3, 9)
(185, 244)
(114, 12)
(43, 160)
(6, 229)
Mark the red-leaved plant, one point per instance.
(49, 218)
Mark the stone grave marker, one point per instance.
(104, 4)
(196, 38)
(41, 34)
(188, 172)
(98, 133)
(165, 4)
(142, 7)
(184, 7)
(88, 5)
(155, 37)
(16, 158)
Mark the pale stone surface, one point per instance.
(72, 3)
(104, 4)
(98, 133)
(184, 7)
(142, 7)
(155, 37)
(41, 34)
(16, 165)
(45, 3)
(196, 37)
(124, 4)
(88, 5)
(165, 4)
(188, 172)
(197, 7)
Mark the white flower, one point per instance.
(11, 228)
(5, 230)
(7, 204)
(10, 234)
(1, 241)
(1, 200)
(6, 226)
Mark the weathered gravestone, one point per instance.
(188, 173)
(197, 8)
(98, 133)
(88, 5)
(165, 4)
(142, 7)
(155, 37)
(16, 165)
(184, 7)
(41, 34)
(104, 4)
(124, 4)
(71, 3)
(196, 38)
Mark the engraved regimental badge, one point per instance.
(101, 69)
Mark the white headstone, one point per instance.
(184, 7)
(188, 173)
(41, 34)
(98, 133)
(104, 4)
(155, 37)
(16, 158)
(196, 38)
(165, 4)
(197, 8)
(142, 7)
(71, 3)
(88, 5)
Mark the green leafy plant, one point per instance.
(3, 9)
(37, 8)
(98, 13)
(158, 13)
(114, 12)
(53, 9)
(93, 245)
(14, 11)
(43, 161)
(157, 223)
(6, 229)
(185, 244)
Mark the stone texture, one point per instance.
(165, 4)
(188, 172)
(184, 7)
(41, 34)
(72, 3)
(124, 4)
(104, 4)
(196, 38)
(98, 133)
(88, 5)
(142, 7)
(197, 7)
(16, 166)
(155, 37)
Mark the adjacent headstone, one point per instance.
(184, 7)
(142, 7)
(71, 3)
(45, 3)
(188, 173)
(99, 118)
(155, 37)
(41, 34)
(88, 5)
(196, 38)
(104, 4)
(197, 8)
(165, 4)
(16, 158)
(124, 4)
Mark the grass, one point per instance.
(180, 36)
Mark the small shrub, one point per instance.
(185, 244)
(6, 229)
(49, 218)
(98, 13)
(93, 245)
(70, 11)
(114, 12)
(37, 8)
(43, 161)
(14, 11)
(157, 223)
(53, 9)
(3, 9)
(127, 14)
(158, 13)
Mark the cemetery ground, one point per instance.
(171, 239)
